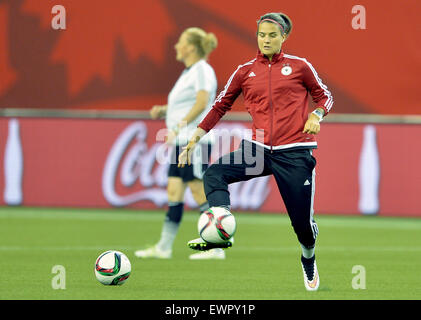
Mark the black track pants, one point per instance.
(293, 171)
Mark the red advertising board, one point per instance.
(361, 168)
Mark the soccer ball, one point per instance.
(216, 225)
(112, 268)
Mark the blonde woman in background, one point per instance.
(188, 102)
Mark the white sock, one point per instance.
(307, 252)
(168, 234)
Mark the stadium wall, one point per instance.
(107, 160)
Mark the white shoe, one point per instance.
(311, 275)
(216, 254)
(153, 252)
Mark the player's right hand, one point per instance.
(185, 156)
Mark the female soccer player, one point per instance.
(188, 102)
(276, 88)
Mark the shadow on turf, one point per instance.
(324, 289)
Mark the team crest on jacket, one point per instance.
(286, 70)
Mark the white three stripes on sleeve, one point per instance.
(223, 92)
(329, 102)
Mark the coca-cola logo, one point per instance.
(136, 165)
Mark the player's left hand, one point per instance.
(312, 125)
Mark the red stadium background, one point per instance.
(119, 56)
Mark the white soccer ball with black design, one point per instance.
(112, 268)
(216, 225)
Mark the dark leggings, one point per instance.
(293, 171)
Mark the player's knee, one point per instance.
(305, 233)
(212, 174)
(174, 194)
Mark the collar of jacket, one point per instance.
(275, 58)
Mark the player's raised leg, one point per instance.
(197, 189)
(241, 165)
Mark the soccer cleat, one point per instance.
(154, 253)
(212, 254)
(201, 245)
(311, 275)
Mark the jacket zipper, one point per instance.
(271, 109)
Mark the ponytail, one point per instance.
(204, 42)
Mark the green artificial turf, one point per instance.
(263, 264)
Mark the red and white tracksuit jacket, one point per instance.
(276, 95)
